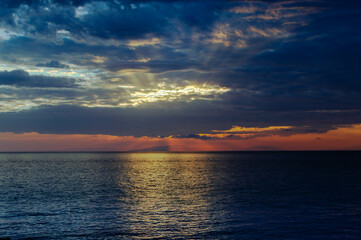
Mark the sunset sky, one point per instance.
(180, 75)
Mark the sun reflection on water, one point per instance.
(169, 193)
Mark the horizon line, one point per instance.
(135, 151)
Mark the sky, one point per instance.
(180, 75)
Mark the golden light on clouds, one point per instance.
(246, 132)
(15, 105)
(123, 96)
(143, 42)
(98, 59)
(224, 34)
(188, 93)
(238, 129)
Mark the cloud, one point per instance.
(53, 64)
(189, 67)
(195, 136)
(108, 19)
(135, 121)
(165, 119)
(22, 78)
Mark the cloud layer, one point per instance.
(178, 68)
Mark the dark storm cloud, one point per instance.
(52, 64)
(81, 53)
(33, 3)
(153, 121)
(124, 22)
(23, 78)
(181, 119)
(108, 19)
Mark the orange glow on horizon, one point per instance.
(343, 138)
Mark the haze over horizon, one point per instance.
(180, 75)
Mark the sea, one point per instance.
(161, 195)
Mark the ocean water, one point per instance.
(246, 195)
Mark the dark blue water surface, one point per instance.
(264, 195)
